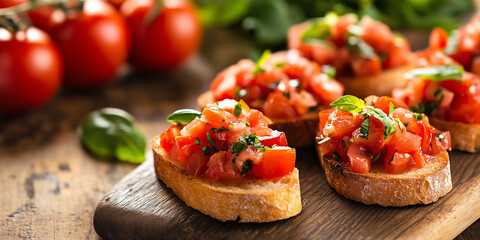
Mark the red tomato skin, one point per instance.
(277, 162)
(31, 70)
(360, 160)
(397, 163)
(438, 39)
(366, 67)
(276, 138)
(173, 36)
(94, 45)
(11, 3)
(46, 18)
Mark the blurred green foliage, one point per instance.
(269, 20)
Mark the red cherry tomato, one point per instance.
(31, 70)
(168, 40)
(94, 44)
(46, 18)
(10, 3)
(116, 3)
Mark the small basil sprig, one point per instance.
(258, 65)
(183, 116)
(352, 104)
(438, 73)
(111, 132)
(320, 28)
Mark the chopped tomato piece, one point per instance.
(277, 162)
(360, 160)
(196, 164)
(438, 39)
(419, 160)
(275, 138)
(365, 66)
(167, 139)
(342, 124)
(440, 141)
(396, 163)
(277, 106)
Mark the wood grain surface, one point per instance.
(142, 207)
(50, 186)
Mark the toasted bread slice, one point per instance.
(248, 200)
(465, 136)
(381, 84)
(298, 131)
(417, 186)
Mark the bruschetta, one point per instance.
(376, 151)
(445, 92)
(227, 163)
(462, 45)
(287, 88)
(368, 57)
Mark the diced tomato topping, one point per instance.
(362, 138)
(389, 51)
(228, 142)
(341, 124)
(360, 160)
(285, 86)
(397, 163)
(438, 39)
(275, 138)
(277, 162)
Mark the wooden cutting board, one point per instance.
(142, 207)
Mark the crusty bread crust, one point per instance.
(380, 84)
(299, 132)
(465, 136)
(246, 200)
(417, 186)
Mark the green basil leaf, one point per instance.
(329, 70)
(418, 116)
(364, 128)
(390, 109)
(358, 47)
(349, 103)
(376, 157)
(183, 116)
(111, 132)
(380, 115)
(247, 166)
(238, 110)
(258, 65)
(452, 43)
(238, 147)
(437, 73)
(320, 27)
(210, 141)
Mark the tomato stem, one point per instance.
(32, 4)
(14, 22)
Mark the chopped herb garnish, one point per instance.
(280, 64)
(286, 95)
(320, 27)
(321, 140)
(376, 157)
(391, 159)
(247, 123)
(318, 139)
(440, 136)
(312, 109)
(356, 45)
(251, 140)
(222, 129)
(349, 103)
(206, 150)
(238, 147)
(390, 109)
(258, 65)
(238, 110)
(209, 138)
(179, 125)
(406, 124)
(197, 142)
(352, 104)
(329, 70)
(364, 128)
(241, 93)
(439, 90)
(438, 73)
(452, 43)
(343, 144)
(331, 134)
(247, 166)
(183, 116)
(233, 160)
(274, 85)
(383, 56)
(418, 116)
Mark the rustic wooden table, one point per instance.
(49, 185)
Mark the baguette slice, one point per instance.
(298, 131)
(380, 84)
(465, 136)
(417, 186)
(246, 200)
